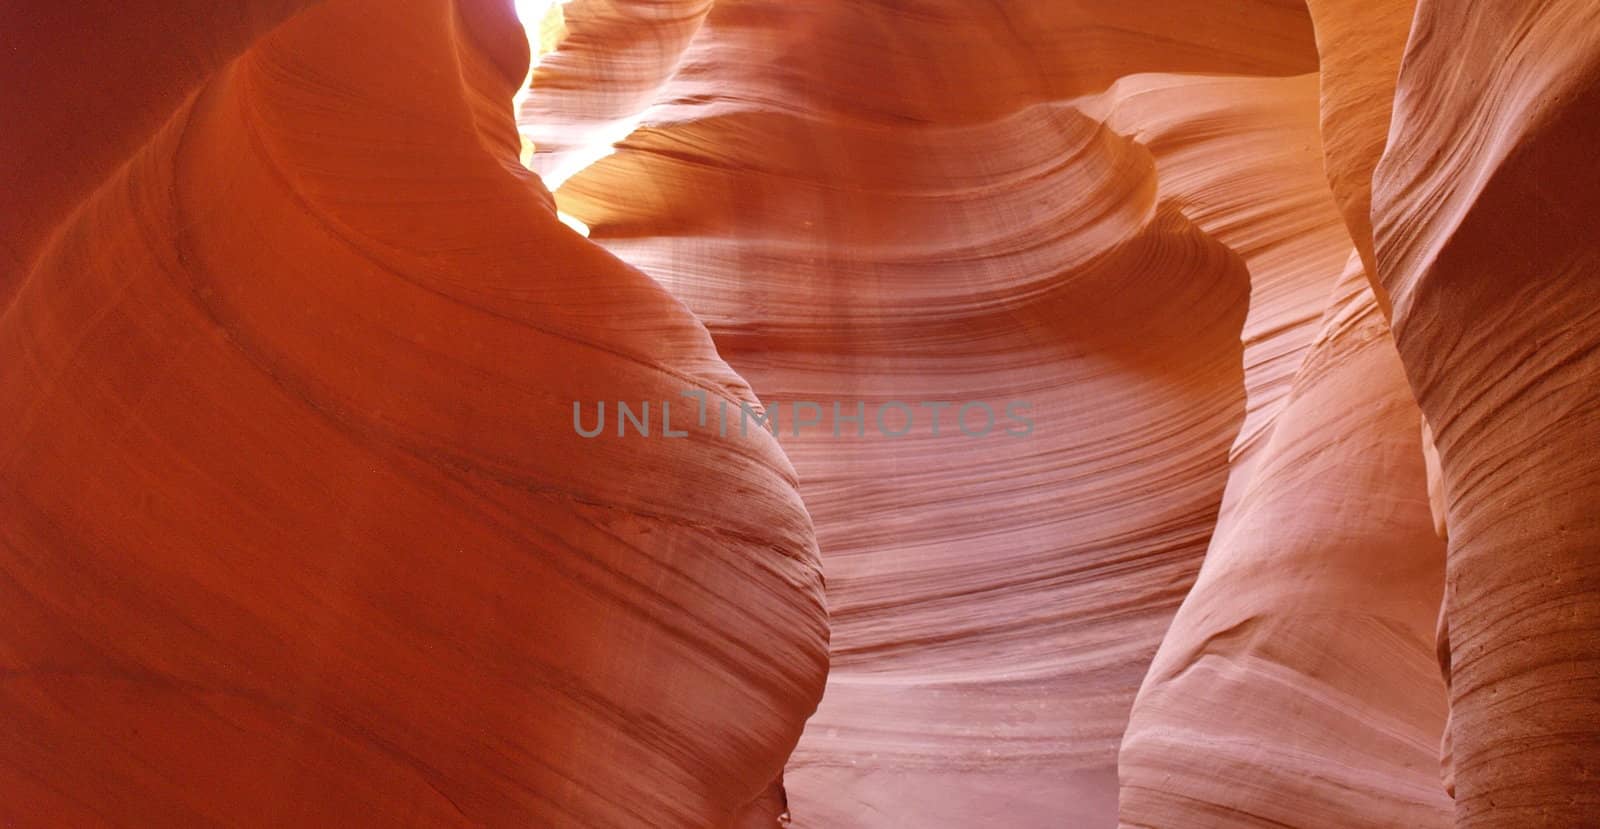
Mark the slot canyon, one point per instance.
(1027, 413)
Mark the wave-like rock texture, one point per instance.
(1242, 156)
(861, 209)
(1487, 217)
(1277, 319)
(1359, 44)
(294, 523)
(985, 643)
(1298, 685)
(62, 139)
(1289, 689)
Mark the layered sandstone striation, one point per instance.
(794, 177)
(1281, 513)
(860, 210)
(87, 83)
(294, 523)
(1297, 685)
(1487, 217)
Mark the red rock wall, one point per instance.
(1487, 217)
(1297, 685)
(87, 83)
(927, 237)
(295, 526)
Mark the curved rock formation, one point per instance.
(1297, 685)
(1359, 44)
(1486, 220)
(1276, 319)
(970, 636)
(65, 133)
(927, 239)
(295, 525)
(1245, 717)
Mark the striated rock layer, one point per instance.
(1359, 44)
(1297, 685)
(935, 235)
(1276, 319)
(66, 131)
(295, 528)
(1486, 220)
(985, 643)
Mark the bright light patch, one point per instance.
(544, 23)
(531, 12)
(569, 221)
(546, 27)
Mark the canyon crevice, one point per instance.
(306, 307)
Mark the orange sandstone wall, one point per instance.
(871, 203)
(294, 525)
(1486, 216)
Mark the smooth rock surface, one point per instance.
(945, 235)
(295, 526)
(1276, 321)
(1487, 217)
(1298, 685)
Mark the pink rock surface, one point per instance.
(1285, 312)
(911, 244)
(1486, 224)
(1297, 685)
(1359, 44)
